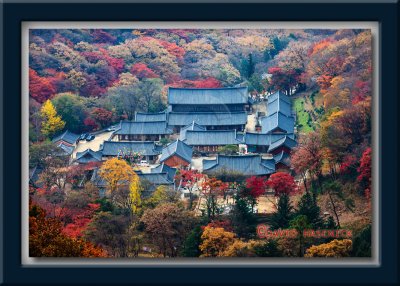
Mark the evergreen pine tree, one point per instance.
(283, 215)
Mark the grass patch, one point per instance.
(303, 119)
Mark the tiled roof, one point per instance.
(207, 118)
(150, 117)
(262, 139)
(285, 141)
(211, 137)
(228, 95)
(278, 95)
(88, 156)
(97, 180)
(277, 120)
(149, 128)
(248, 165)
(162, 168)
(178, 148)
(192, 126)
(67, 136)
(65, 149)
(279, 105)
(113, 148)
(283, 158)
(156, 178)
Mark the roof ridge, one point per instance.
(209, 88)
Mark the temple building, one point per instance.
(248, 165)
(149, 151)
(177, 154)
(213, 108)
(209, 140)
(142, 131)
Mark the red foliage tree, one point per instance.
(90, 123)
(46, 238)
(102, 116)
(256, 185)
(282, 183)
(365, 171)
(40, 88)
(173, 49)
(209, 82)
(225, 224)
(282, 79)
(141, 71)
(101, 36)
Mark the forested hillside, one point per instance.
(95, 77)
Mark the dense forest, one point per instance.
(86, 80)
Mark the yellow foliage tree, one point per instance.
(52, 122)
(117, 172)
(215, 241)
(241, 248)
(335, 248)
(135, 194)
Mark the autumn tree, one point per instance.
(215, 241)
(282, 183)
(102, 116)
(52, 122)
(335, 248)
(211, 189)
(365, 172)
(47, 240)
(167, 226)
(307, 157)
(111, 232)
(117, 173)
(189, 180)
(40, 88)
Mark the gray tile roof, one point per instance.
(211, 137)
(262, 139)
(65, 149)
(228, 95)
(138, 128)
(249, 165)
(150, 117)
(88, 156)
(207, 118)
(280, 105)
(283, 158)
(67, 136)
(277, 121)
(156, 178)
(192, 126)
(113, 148)
(162, 168)
(278, 95)
(285, 141)
(177, 148)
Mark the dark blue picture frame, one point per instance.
(385, 13)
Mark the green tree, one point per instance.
(282, 217)
(308, 206)
(228, 149)
(268, 249)
(192, 243)
(300, 223)
(362, 243)
(71, 109)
